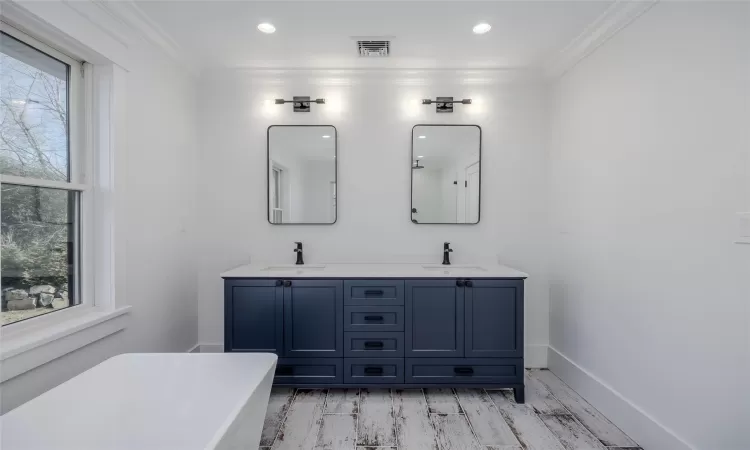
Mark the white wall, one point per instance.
(650, 163)
(374, 113)
(155, 213)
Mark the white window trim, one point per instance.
(27, 344)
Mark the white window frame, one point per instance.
(79, 163)
(27, 344)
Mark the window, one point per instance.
(41, 178)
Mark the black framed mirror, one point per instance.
(446, 163)
(302, 174)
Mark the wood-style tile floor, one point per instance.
(554, 418)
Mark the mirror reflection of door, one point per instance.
(445, 174)
(277, 194)
(472, 193)
(333, 205)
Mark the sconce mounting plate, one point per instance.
(301, 104)
(444, 105)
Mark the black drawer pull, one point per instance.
(284, 370)
(373, 371)
(374, 293)
(379, 318)
(463, 371)
(374, 344)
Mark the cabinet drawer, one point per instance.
(309, 371)
(373, 318)
(464, 370)
(374, 292)
(373, 370)
(374, 344)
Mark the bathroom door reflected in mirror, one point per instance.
(445, 180)
(302, 174)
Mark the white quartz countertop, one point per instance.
(369, 270)
(140, 401)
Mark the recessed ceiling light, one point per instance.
(422, 137)
(325, 136)
(266, 28)
(482, 28)
(420, 156)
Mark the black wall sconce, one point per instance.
(301, 104)
(445, 104)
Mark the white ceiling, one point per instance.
(316, 34)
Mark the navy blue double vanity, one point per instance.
(442, 330)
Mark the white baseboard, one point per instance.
(633, 420)
(210, 348)
(535, 356)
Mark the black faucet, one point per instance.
(298, 251)
(446, 253)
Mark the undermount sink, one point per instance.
(294, 268)
(455, 271)
(454, 268)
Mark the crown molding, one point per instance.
(131, 15)
(616, 18)
(78, 29)
(398, 76)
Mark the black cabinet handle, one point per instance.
(469, 283)
(373, 371)
(463, 371)
(378, 318)
(287, 283)
(373, 344)
(279, 283)
(284, 370)
(460, 283)
(373, 293)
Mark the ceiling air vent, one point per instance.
(374, 48)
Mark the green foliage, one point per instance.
(35, 262)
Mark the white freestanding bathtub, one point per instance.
(150, 401)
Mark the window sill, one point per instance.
(25, 349)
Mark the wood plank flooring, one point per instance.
(554, 417)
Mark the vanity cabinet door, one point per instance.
(494, 319)
(434, 313)
(253, 316)
(314, 319)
